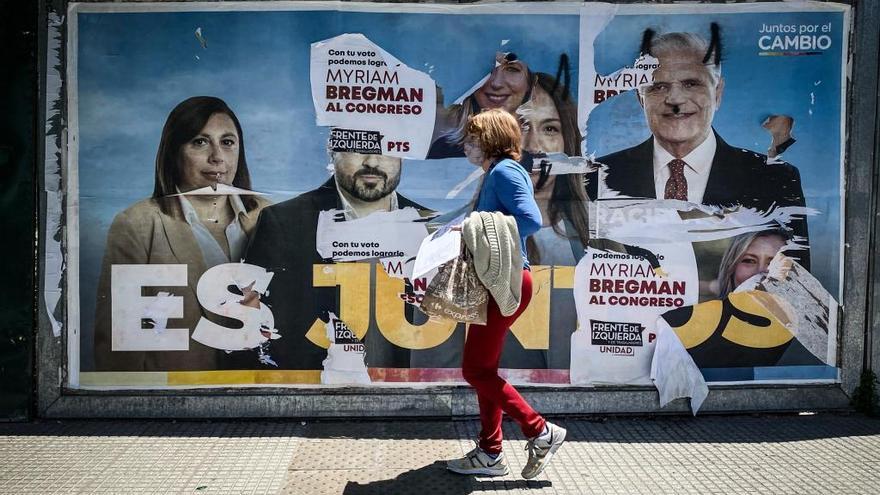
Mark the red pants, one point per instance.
(482, 352)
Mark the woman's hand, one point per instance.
(251, 297)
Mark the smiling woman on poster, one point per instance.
(201, 148)
(506, 87)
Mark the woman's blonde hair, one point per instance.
(497, 132)
(735, 251)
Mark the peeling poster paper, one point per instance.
(378, 104)
(812, 310)
(54, 265)
(219, 189)
(618, 297)
(386, 235)
(593, 20)
(780, 320)
(780, 129)
(653, 221)
(258, 323)
(202, 41)
(54, 258)
(345, 357)
(438, 248)
(674, 372)
(757, 325)
(162, 307)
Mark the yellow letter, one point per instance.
(532, 328)
(392, 322)
(353, 280)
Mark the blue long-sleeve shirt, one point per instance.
(508, 189)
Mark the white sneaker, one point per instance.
(479, 462)
(541, 451)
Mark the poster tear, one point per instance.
(810, 308)
(473, 176)
(258, 322)
(345, 357)
(780, 129)
(219, 189)
(202, 41)
(379, 104)
(650, 221)
(54, 264)
(159, 310)
(379, 235)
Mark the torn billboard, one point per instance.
(679, 112)
(253, 183)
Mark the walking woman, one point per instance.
(494, 141)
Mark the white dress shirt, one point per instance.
(699, 163)
(212, 253)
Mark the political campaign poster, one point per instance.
(253, 181)
(711, 133)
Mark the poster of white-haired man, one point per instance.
(718, 148)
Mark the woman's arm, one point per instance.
(514, 190)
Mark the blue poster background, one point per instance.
(133, 68)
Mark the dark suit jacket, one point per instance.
(284, 244)
(737, 177)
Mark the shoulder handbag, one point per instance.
(456, 292)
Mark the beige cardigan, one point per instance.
(493, 240)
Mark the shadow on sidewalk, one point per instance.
(434, 479)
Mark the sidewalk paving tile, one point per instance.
(752, 455)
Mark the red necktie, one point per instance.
(677, 185)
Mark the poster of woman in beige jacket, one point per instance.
(183, 223)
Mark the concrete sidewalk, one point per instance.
(822, 453)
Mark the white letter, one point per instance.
(129, 307)
(214, 297)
